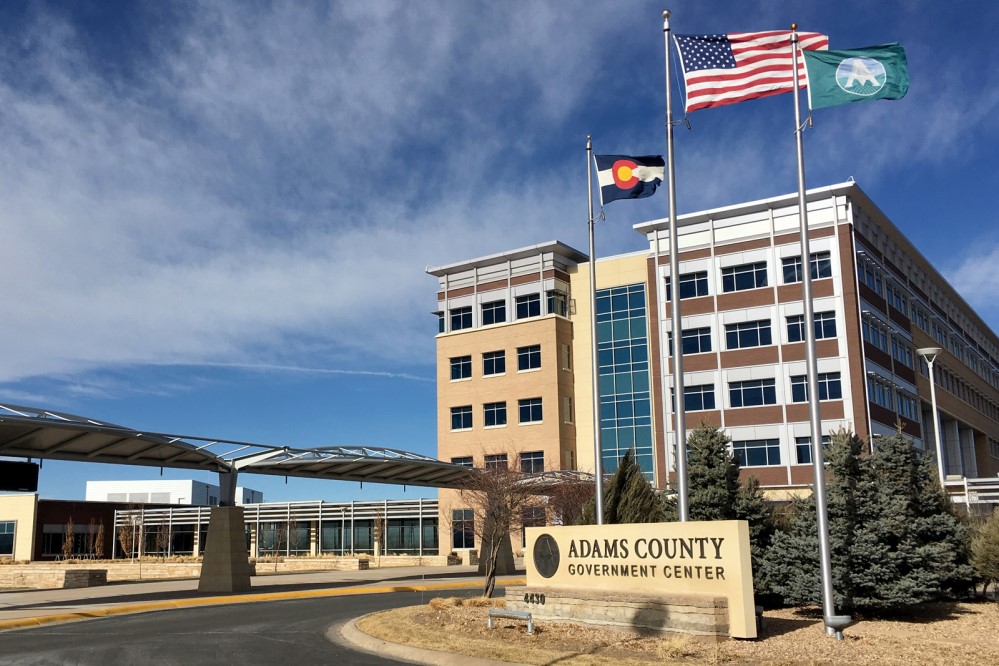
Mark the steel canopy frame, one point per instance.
(29, 432)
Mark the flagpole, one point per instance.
(598, 466)
(815, 423)
(680, 425)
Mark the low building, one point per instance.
(36, 529)
(166, 491)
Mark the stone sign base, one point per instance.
(699, 615)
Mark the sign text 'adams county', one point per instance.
(669, 557)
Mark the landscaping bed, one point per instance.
(932, 633)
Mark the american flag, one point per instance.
(725, 69)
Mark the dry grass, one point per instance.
(937, 633)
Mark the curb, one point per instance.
(348, 635)
(128, 609)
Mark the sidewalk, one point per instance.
(25, 608)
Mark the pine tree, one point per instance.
(712, 475)
(715, 493)
(985, 551)
(628, 497)
(894, 540)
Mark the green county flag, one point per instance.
(841, 77)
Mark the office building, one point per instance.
(514, 348)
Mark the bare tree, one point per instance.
(91, 537)
(131, 532)
(99, 541)
(163, 539)
(68, 540)
(566, 499)
(126, 536)
(497, 496)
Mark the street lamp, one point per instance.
(930, 354)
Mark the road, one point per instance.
(270, 633)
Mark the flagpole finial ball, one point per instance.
(666, 14)
(794, 26)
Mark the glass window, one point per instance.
(624, 377)
(875, 333)
(803, 448)
(695, 340)
(528, 306)
(461, 318)
(830, 387)
(529, 358)
(880, 393)
(567, 415)
(440, 322)
(461, 367)
(461, 417)
(558, 303)
(530, 410)
(757, 452)
(748, 334)
(532, 462)
(825, 326)
(494, 363)
(7, 538)
(462, 528)
(747, 276)
(697, 398)
(691, 285)
(493, 312)
(820, 264)
(753, 393)
(496, 461)
(464, 461)
(494, 414)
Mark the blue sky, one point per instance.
(217, 216)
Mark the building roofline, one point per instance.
(848, 188)
(558, 247)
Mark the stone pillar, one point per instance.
(225, 566)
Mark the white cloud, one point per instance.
(977, 279)
(264, 187)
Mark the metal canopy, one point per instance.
(28, 432)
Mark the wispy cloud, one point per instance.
(265, 187)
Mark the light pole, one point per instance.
(930, 354)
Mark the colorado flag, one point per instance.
(623, 177)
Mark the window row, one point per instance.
(494, 312)
(880, 335)
(881, 392)
(494, 362)
(531, 462)
(754, 333)
(494, 414)
(760, 392)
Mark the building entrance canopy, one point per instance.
(28, 432)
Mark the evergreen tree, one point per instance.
(712, 475)
(714, 492)
(985, 551)
(894, 540)
(628, 497)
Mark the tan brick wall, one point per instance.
(21, 509)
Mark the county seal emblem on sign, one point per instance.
(546, 556)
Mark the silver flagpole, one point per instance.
(598, 466)
(815, 423)
(680, 426)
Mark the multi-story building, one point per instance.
(514, 347)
